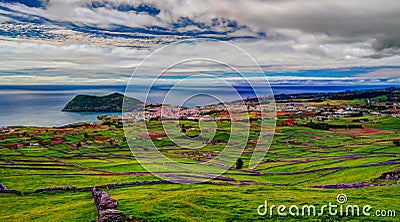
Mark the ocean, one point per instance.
(40, 105)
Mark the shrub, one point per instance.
(239, 163)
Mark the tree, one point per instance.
(79, 145)
(396, 142)
(239, 163)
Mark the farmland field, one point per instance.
(51, 172)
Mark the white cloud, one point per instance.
(301, 34)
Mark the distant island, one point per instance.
(114, 102)
(109, 103)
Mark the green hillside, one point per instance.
(109, 103)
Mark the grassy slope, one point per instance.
(109, 103)
(191, 202)
(99, 163)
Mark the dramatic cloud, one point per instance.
(92, 40)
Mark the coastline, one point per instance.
(93, 116)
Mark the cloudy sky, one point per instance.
(294, 41)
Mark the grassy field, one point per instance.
(179, 202)
(303, 166)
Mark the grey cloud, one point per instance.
(387, 42)
(90, 36)
(342, 21)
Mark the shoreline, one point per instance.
(282, 98)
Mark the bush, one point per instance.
(239, 164)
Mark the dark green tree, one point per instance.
(239, 163)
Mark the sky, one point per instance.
(293, 41)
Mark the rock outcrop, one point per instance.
(390, 176)
(111, 215)
(3, 189)
(107, 207)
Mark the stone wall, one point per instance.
(107, 207)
